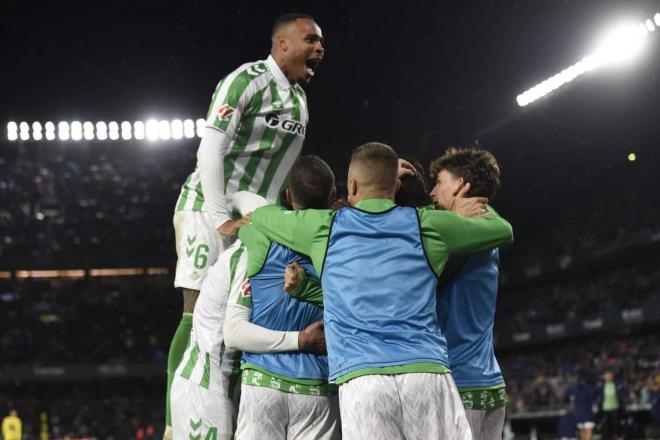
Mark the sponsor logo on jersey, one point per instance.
(245, 289)
(225, 111)
(288, 125)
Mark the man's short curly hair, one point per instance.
(476, 166)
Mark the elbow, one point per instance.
(230, 340)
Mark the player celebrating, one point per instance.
(379, 264)
(466, 303)
(255, 130)
(206, 384)
(283, 395)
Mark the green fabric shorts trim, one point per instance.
(266, 380)
(484, 399)
(419, 367)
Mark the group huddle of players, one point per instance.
(368, 317)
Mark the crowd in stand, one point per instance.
(541, 379)
(109, 410)
(115, 205)
(86, 321)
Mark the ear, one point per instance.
(333, 193)
(282, 43)
(353, 187)
(458, 184)
(289, 196)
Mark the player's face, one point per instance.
(446, 186)
(305, 51)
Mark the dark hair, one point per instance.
(413, 191)
(476, 166)
(288, 18)
(312, 182)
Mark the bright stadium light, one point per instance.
(618, 46)
(649, 25)
(25, 135)
(177, 129)
(12, 131)
(88, 131)
(63, 131)
(200, 124)
(50, 131)
(101, 131)
(621, 44)
(126, 133)
(76, 131)
(24, 126)
(656, 18)
(138, 130)
(113, 130)
(189, 128)
(36, 131)
(152, 130)
(164, 130)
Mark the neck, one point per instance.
(373, 195)
(279, 59)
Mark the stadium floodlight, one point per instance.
(164, 132)
(12, 131)
(25, 135)
(656, 18)
(200, 124)
(138, 130)
(649, 25)
(36, 131)
(101, 130)
(177, 129)
(189, 128)
(24, 126)
(63, 131)
(152, 130)
(619, 45)
(76, 131)
(126, 133)
(113, 130)
(88, 130)
(12, 126)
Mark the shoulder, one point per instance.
(248, 74)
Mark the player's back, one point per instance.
(379, 293)
(265, 119)
(274, 309)
(466, 314)
(206, 355)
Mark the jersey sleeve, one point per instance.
(446, 232)
(309, 290)
(296, 230)
(257, 245)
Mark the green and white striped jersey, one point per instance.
(265, 118)
(206, 361)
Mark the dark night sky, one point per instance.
(420, 75)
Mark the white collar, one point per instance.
(279, 76)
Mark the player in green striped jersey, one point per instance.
(255, 129)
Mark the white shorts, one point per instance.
(268, 414)
(586, 425)
(198, 245)
(199, 411)
(402, 406)
(486, 424)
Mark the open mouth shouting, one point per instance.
(310, 66)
